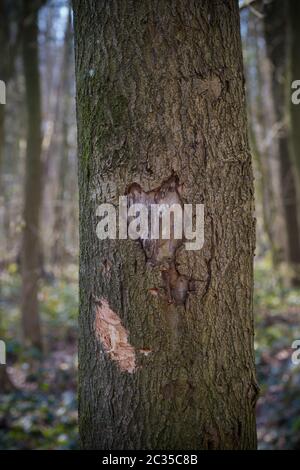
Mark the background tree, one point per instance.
(263, 127)
(294, 37)
(10, 29)
(278, 52)
(59, 244)
(160, 90)
(31, 248)
(9, 21)
(57, 287)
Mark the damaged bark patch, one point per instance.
(114, 337)
(145, 351)
(169, 193)
(162, 252)
(176, 286)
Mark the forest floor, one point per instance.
(277, 326)
(42, 411)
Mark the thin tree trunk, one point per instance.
(275, 19)
(33, 192)
(8, 54)
(9, 43)
(4, 39)
(260, 108)
(160, 93)
(2, 122)
(6, 385)
(59, 248)
(294, 36)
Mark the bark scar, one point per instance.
(162, 252)
(114, 337)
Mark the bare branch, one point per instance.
(249, 4)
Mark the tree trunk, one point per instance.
(294, 36)
(33, 193)
(4, 41)
(9, 42)
(6, 385)
(275, 19)
(261, 125)
(8, 54)
(60, 213)
(160, 93)
(2, 121)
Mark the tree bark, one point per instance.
(160, 92)
(30, 257)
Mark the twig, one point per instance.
(249, 4)
(246, 4)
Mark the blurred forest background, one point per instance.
(39, 220)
